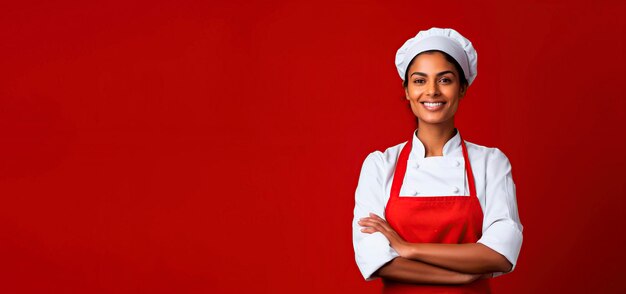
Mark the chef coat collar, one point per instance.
(449, 148)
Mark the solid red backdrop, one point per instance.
(215, 146)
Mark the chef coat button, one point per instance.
(457, 163)
(417, 165)
(416, 193)
(455, 189)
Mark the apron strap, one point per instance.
(468, 170)
(398, 175)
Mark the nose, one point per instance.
(433, 89)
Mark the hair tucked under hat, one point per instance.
(446, 40)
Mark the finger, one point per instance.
(375, 229)
(375, 216)
(369, 219)
(383, 223)
(378, 218)
(368, 230)
(373, 224)
(369, 223)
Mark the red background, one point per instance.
(215, 146)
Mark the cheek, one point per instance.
(414, 93)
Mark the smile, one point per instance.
(433, 106)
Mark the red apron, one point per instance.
(434, 219)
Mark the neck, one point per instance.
(435, 136)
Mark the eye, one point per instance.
(446, 80)
(418, 81)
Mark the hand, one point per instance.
(375, 223)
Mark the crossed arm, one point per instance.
(433, 262)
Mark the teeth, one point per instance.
(429, 104)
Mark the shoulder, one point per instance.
(380, 163)
(492, 157)
(386, 157)
(482, 150)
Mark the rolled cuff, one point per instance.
(506, 239)
(372, 252)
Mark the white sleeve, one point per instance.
(371, 250)
(502, 229)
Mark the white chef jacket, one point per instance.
(438, 176)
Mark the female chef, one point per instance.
(436, 213)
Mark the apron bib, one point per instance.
(434, 219)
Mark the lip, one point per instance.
(434, 108)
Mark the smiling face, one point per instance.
(434, 88)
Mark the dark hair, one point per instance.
(448, 58)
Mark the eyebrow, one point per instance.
(438, 74)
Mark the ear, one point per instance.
(406, 92)
(463, 91)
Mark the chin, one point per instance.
(433, 119)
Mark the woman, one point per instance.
(436, 213)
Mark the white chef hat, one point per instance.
(446, 40)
